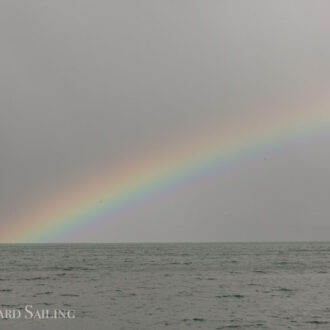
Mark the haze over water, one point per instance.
(169, 286)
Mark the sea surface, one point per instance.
(169, 286)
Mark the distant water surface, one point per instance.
(169, 286)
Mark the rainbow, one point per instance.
(94, 203)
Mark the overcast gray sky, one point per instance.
(88, 84)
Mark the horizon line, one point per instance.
(166, 242)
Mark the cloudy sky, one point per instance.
(88, 85)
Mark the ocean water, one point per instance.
(169, 286)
